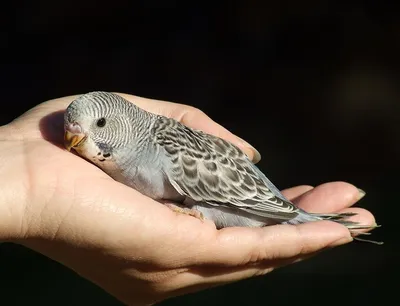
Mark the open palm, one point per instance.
(137, 249)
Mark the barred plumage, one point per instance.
(211, 170)
(167, 160)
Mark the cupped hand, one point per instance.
(134, 248)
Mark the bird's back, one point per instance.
(209, 170)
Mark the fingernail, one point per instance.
(341, 241)
(257, 156)
(361, 194)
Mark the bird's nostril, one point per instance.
(74, 128)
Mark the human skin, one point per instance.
(138, 250)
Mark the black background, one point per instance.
(312, 84)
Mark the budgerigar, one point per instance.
(163, 159)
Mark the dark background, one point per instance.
(312, 84)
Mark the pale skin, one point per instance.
(138, 250)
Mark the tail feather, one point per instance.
(353, 226)
(334, 217)
(370, 241)
(341, 219)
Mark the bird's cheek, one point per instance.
(87, 150)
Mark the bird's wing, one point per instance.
(211, 170)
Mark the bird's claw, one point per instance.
(186, 211)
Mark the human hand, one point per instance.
(134, 248)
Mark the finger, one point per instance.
(195, 119)
(294, 192)
(239, 246)
(244, 253)
(329, 197)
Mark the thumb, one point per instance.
(242, 246)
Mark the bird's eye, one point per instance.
(101, 122)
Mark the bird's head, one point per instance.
(97, 123)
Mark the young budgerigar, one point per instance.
(206, 176)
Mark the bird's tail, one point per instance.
(353, 226)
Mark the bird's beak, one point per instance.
(73, 140)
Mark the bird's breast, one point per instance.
(147, 177)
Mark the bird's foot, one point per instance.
(186, 211)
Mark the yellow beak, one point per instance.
(72, 140)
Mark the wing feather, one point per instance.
(211, 170)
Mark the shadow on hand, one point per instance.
(52, 128)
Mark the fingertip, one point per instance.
(248, 149)
(350, 192)
(257, 156)
(328, 197)
(322, 234)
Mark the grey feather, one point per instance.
(211, 170)
(167, 160)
